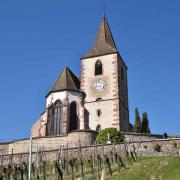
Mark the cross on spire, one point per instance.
(104, 8)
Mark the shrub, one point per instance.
(157, 148)
(145, 147)
(115, 136)
(174, 144)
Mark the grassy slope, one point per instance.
(156, 168)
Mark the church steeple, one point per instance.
(104, 43)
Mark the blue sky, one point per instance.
(38, 38)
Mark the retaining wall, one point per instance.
(142, 148)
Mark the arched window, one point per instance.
(98, 128)
(98, 68)
(50, 124)
(122, 73)
(57, 117)
(73, 123)
(54, 124)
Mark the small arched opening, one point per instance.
(98, 128)
(98, 68)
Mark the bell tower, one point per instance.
(104, 80)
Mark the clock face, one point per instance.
(99, 86)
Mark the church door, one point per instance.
(73, 123)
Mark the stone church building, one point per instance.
(97, 100)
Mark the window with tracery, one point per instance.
(55, 117)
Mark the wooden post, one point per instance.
(94, 158)
(66, 161)
(11, 161)
(97, 162)
(104, 164)
(114, 151)
(81, 161)
(109, 165)
(30, 159)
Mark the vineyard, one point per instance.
(65, 167)
(99, 165)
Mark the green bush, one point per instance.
(114, 135)
(145, 147)
(157, 148)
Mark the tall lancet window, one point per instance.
(58, 111)
(98, 68)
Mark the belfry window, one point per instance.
(98, 68)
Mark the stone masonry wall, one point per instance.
(143, 148)
(49, 143)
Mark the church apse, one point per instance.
(98, 101)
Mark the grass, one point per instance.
(154, 168)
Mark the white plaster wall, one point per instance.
(89, 77)
(53, 97)
(106, 118)
(71, 95)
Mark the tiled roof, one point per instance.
(104, 43)
(66, 81)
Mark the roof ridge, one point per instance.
(67, 80)
(72, 78)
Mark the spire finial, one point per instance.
(104, 8)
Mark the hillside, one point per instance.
(156, 168)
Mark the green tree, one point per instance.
(145, 124)
(114, 136)
(137, 123)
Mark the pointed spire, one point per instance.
(104, 43)
(66, 81)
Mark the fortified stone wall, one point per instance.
(129, 137)
(143, 148)
(86, 137)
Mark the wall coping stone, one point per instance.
(142, 134)
(99, 145)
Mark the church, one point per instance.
(95, 101)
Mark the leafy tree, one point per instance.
(130, 127)
(114, 135)
(145, 124)
(137, 123)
